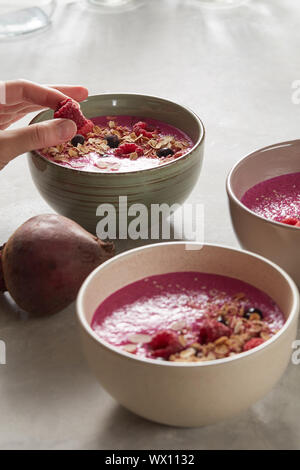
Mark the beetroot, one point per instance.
(45, 261)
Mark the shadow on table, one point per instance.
(252, 429)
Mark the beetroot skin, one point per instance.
(45, 261)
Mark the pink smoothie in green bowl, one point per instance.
(121, 144)
(276, 199)
(187, 316)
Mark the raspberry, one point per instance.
(86, 128)
(144, 129)
(70, 109)
(165, 343)
(211, 329)
(124, 150)
(252, 343)
(141, 125)
(291, 221)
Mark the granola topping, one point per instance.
(121, 143)
(179, 317)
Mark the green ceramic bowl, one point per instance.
(77, 194)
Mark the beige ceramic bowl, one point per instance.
(188, 394)
(278, 242)
(77, 194)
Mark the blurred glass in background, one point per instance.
(220, 3)
(19, 17)
(109, 3)
(115, 6)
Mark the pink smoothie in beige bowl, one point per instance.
(276, 199)
(165, 329)
(121, 144)
(187, 317)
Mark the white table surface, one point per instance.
(235, 68)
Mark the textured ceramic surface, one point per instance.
(188, 394)
(278, 242)
(77, 194)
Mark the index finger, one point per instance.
(18, 91)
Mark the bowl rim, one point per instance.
(158, 363)
(199, 141)
(231, 194)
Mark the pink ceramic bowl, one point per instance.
(188, 394)
(274, 240)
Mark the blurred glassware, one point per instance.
(19, 17)
(219, 3)
(114, 6)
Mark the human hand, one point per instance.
(20, 97)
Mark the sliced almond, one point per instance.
(77, 164)
(186, 353)
(114, 165)
(139, 338)
(129, 348)
(101, 165)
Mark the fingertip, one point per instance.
(66, 129)
(82, 93)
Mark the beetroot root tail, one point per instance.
(2, 282)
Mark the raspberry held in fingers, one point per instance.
(70, 109)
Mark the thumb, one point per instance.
(36, 136)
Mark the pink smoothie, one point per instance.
(181, 304)
(276, 198)
(95, 153)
